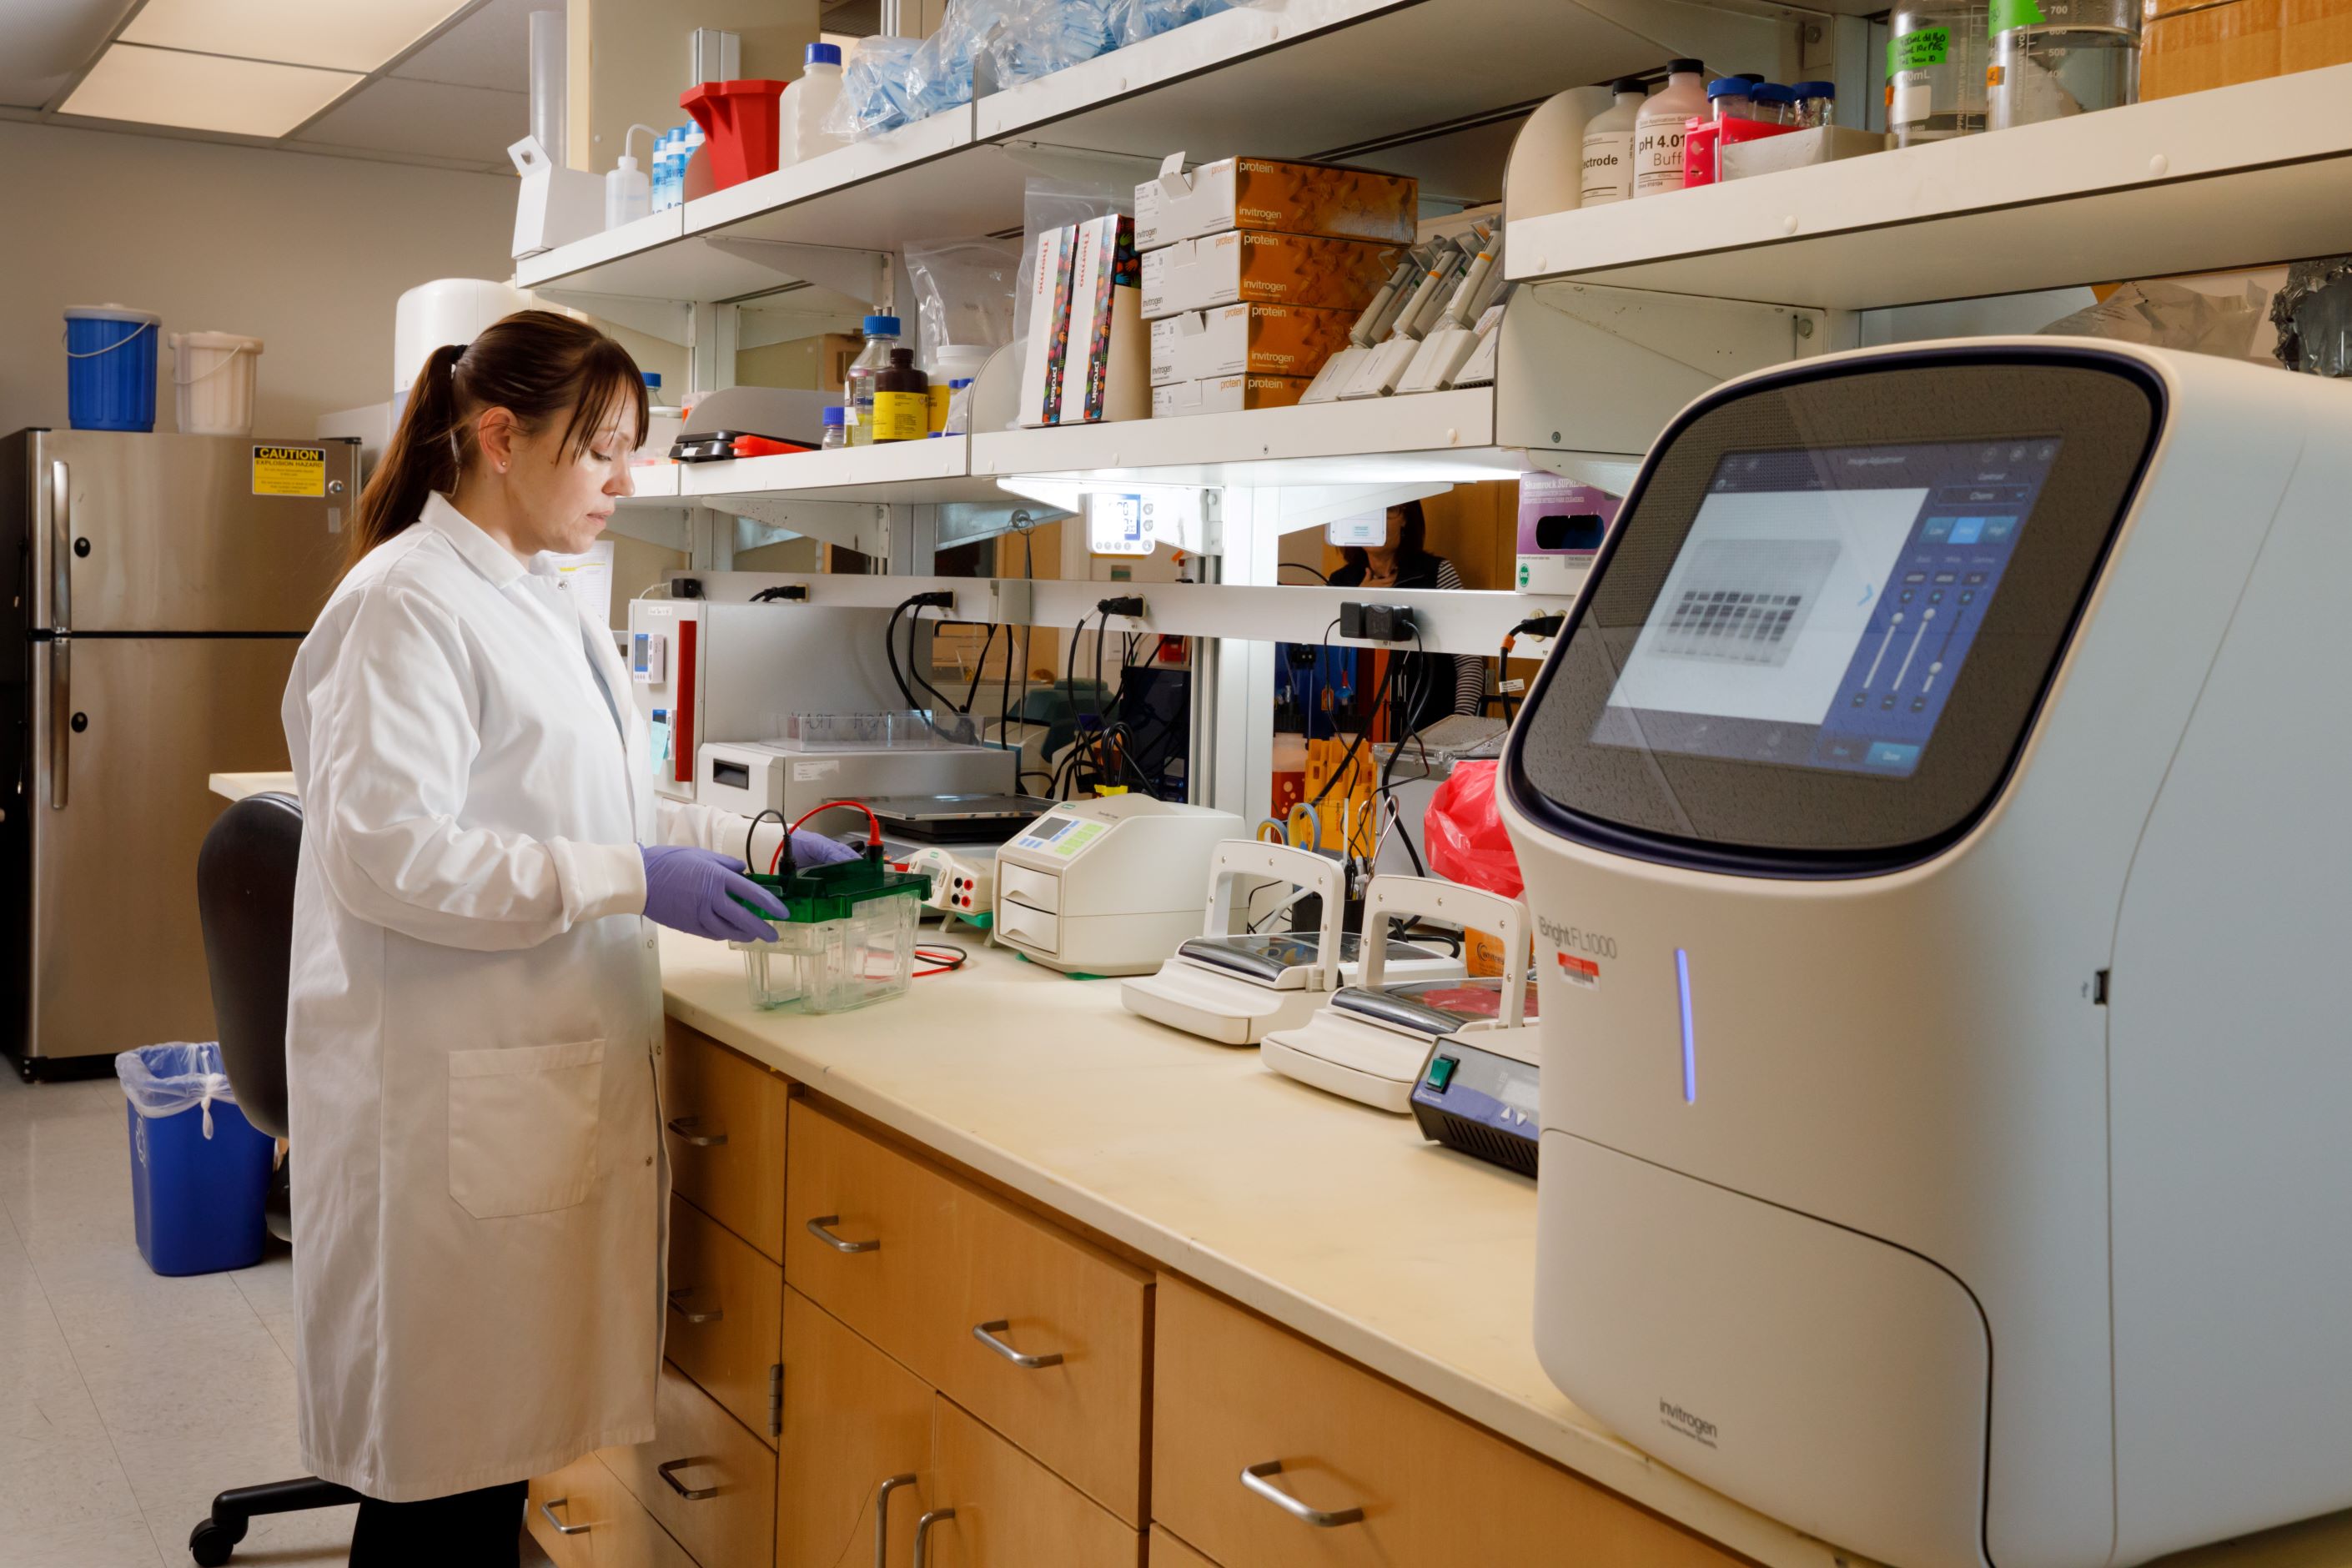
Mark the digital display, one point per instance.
(1823, 602)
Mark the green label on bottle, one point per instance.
(1917, 51)
(2010, 14)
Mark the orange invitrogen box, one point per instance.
(1264, 268)
(1245, 340)
(1273, 195)
(1227, 394)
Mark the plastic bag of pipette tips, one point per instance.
(1133, 21)
(880, 89)
(964, 293)
(2172, 316)
(165, 1080)
(1042, 36)
(1463, 831)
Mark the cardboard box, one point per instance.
(836, 352)
(1226, 395)
(1108, 355)
(1270, 194)
(2188, 46)
(1050, 281)
(1264, 268)
(1245, 340)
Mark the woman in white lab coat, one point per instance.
(475, 1010)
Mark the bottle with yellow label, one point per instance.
(902, 400)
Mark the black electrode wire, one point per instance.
(752, 832)
(1388, 769)
(1380, 700)
(1302, 566)
(979, 668)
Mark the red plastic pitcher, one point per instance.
(739, 121)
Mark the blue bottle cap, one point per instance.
(1727, 87)
(1749, 76)
(836, 416)
(1815, 89)
(885, 326)
(823, 55)
(959, 383)
(1772, 92)
(653, 380)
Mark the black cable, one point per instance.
(890, 652)
(978, 666)
(1387, 770)
(752, 832)
(915, 669)
(1302, 566)
(1388, 678)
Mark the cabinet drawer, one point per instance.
(726, 1303)
(723, 1120)
(1009, 1511)
(1234, 1392)
(1167, 1552)
(704, 1451)
(952, 1262)
(563, 1512)
(853, 1419)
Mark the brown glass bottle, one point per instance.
(902, 400)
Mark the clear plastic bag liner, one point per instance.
(963, 293)
(165, 1080)
(1049, 205)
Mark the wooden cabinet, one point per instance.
(1269, 1452)
(725, 1305)
(1043, 1336)
(704, 1478)
(723, 1120)
(1003, 1509)
(854, 1418)
(1167, 1552)
(563, 1512)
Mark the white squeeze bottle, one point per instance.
(1658, 129)
(810, 104)
(1609, 145)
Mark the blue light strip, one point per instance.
(1690, 1043)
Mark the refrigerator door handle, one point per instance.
(61, 719)
(60, 547)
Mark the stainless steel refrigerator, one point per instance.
(158, 588)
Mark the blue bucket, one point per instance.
(110, 367)
(199, 1170)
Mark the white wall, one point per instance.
(306, 252)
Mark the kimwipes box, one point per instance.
(1245, 340)
(1270, 194)
(1264, 268)
(1226, 395)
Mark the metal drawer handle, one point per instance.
(986, 1334)
(882, 1518)
(684, 1126)
(923, 1530)
(1254, 1479)
(817, 1227)
(548, 1507)
(711, 1316)
(691, 1494)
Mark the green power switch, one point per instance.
(1441, 1072)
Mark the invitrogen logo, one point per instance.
(1674, 1416)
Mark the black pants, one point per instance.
(468, 1530)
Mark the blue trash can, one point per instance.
(110, 367)
(199, 1170)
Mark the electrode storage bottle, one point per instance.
(1658, 129)
(881, 337)
(1775, 104)
(902, 400)
(1816, 104)
(2054, 59)
(1609, 145)
(1937, 51)
(810, 102)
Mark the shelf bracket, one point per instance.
(860, 274)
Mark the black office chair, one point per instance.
(244, 897)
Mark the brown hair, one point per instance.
(535, 364)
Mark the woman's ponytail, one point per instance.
(420, 459)
(539, 367)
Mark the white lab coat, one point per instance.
(479, 1190)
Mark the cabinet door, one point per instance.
(853, 1419)
(725, 1301)
(1009, 1511)
(626, 1535)
(704, 1478)
(1255, 1432)
(723, 1117)
(1167, 1552)
(566, 1516)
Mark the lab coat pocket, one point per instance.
(522, 1127)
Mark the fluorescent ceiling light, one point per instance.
(341, 35)
(203, 92)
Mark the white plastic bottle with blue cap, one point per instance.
(810, 104)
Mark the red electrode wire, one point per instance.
(873, 830)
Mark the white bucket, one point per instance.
(213, 374)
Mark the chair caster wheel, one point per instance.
(210, 1544)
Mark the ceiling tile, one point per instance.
(203, 92)
(346, 35)
(433, 119)
(43, 43)
(491, 47)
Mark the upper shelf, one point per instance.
(2231, 177)
(1298, 78)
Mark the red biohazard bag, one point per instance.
(1464, 833)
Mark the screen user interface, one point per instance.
(1823, 604)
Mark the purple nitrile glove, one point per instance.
(695, 891)
(816, 849)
